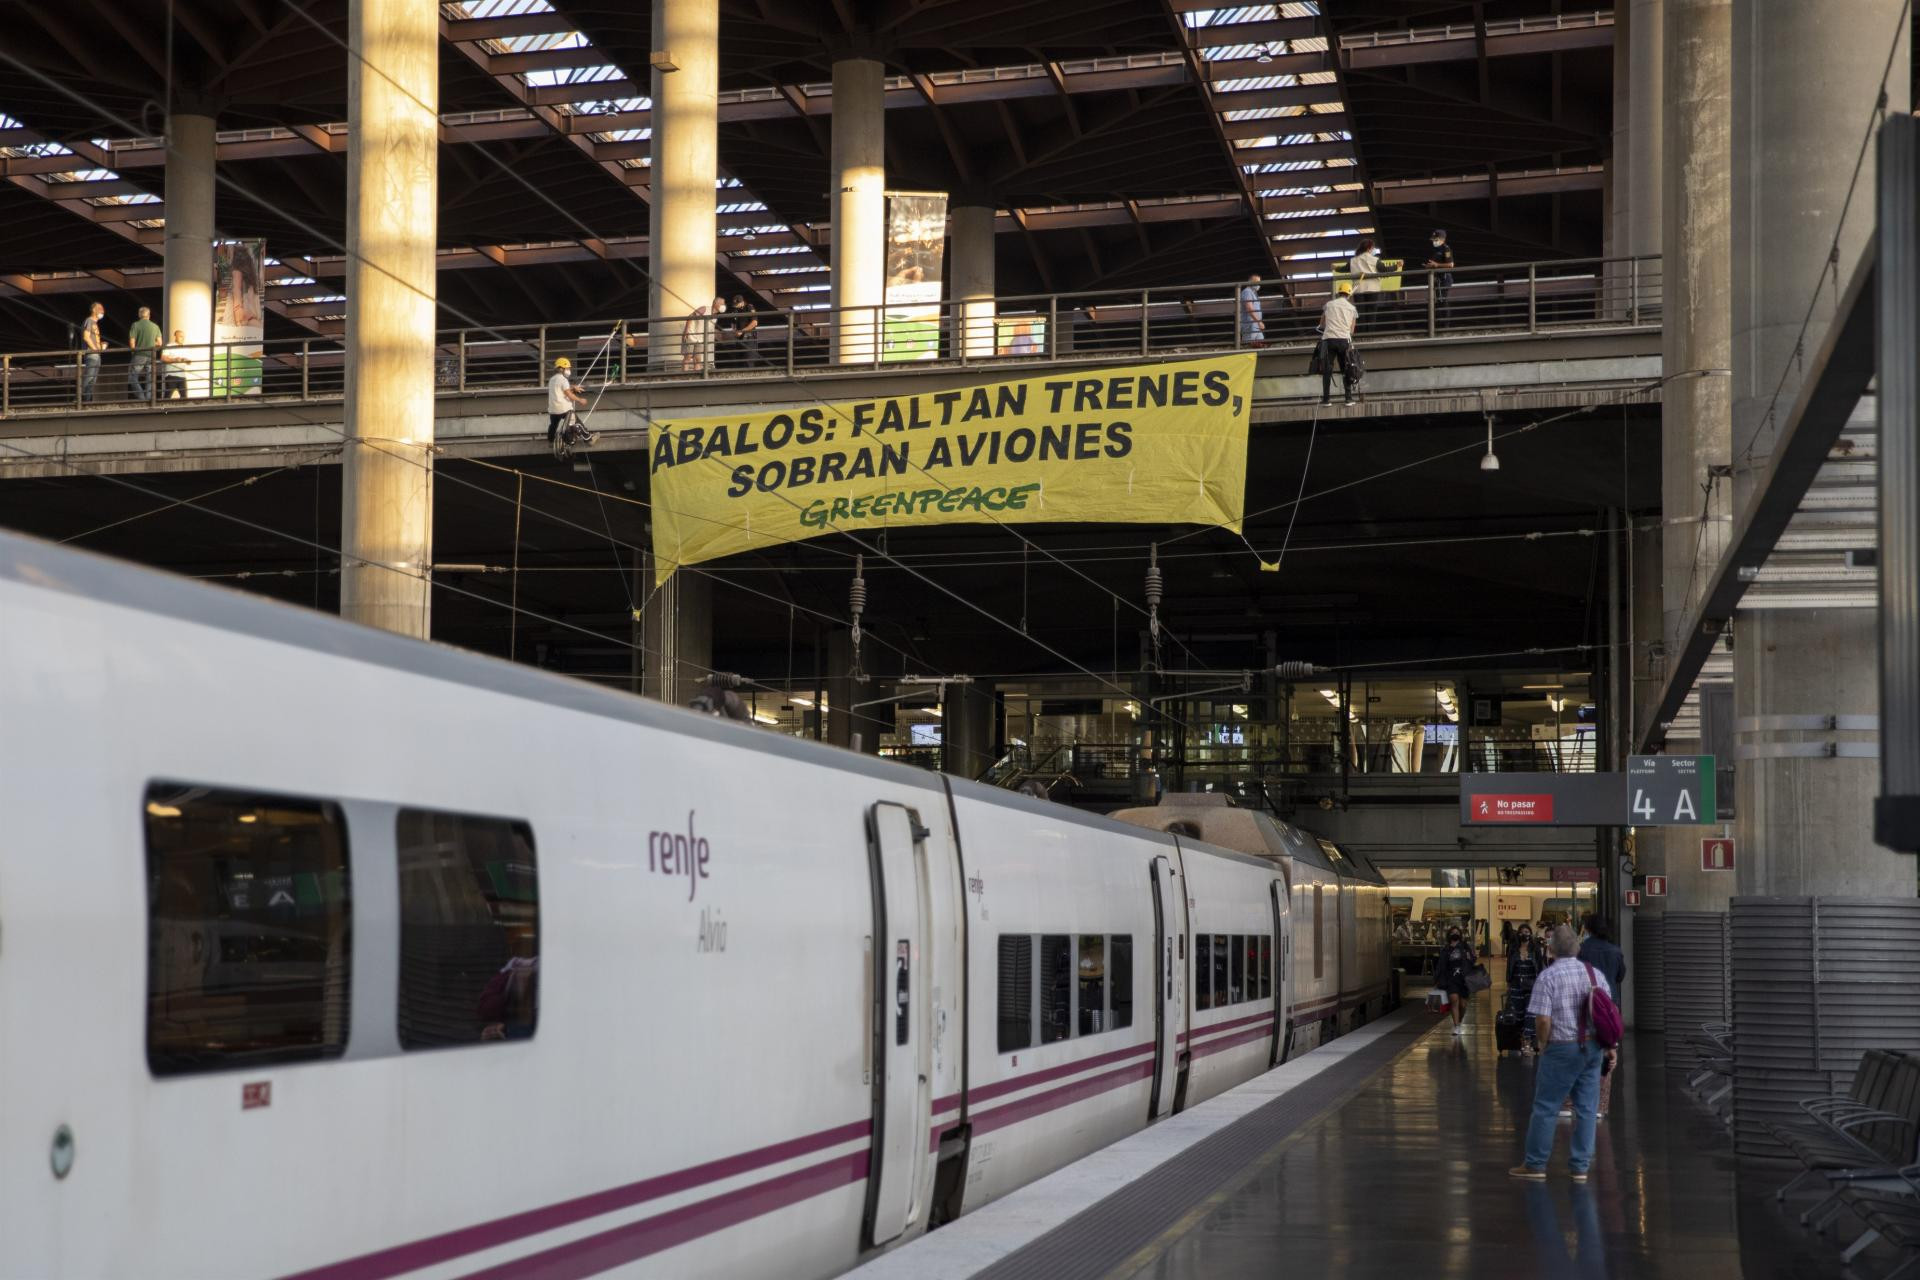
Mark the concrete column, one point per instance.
(970, 237)
(859, 208)
(967, 716)
(676, 638)
(1617, 178)
(1646, 34)
(682, 224)
(843, 691)
(1805, 82)
(188, 305)
(393, 92)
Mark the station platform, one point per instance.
(1384, 1154)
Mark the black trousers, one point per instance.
(553, 425)
(1332, 349)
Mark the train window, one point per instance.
(1120, 978)
(1317, 962)
(469, 929)
(1253, 967)
(1016, 991)
(249, 929)
(1203, 971)
(1056, 987)
(1237, 969)
(1093, 984)
(1266, 967)
(1221, 958)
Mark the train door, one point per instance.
(902, 1041)
(1169, 951)
(1281, 902)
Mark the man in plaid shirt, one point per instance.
(1569, 1059)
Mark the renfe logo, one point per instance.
(673, 854)
(1513, 808)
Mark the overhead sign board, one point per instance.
(1716, 853)
(1671, 791)
(1542, 799)
(1576, 875)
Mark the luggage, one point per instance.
(1508, 1027)
(1436, 1001)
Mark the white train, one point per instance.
(330, 954)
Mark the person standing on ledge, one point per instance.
(1440, 262)
(562, 399)
(1570, 1060)
(143, 339)
(1337, 321)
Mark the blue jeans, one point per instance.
(137, 382)
(89, 374)
(1565, 1068)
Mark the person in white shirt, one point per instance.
(1364, 268)
(562, 399)
(181, 364)
(1337, 321)
(1253, 329)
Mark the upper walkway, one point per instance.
(1520, 336)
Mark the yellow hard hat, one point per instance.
(563, 363)
(1344, 286)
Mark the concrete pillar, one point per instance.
(188, 304)
(968, 718)
(859, 208)
(676, 638)
(1646, 35)
(843, 691)
(1805, 82)
(682, 223)
(393, 91)
(970, 248)
(1617, 178)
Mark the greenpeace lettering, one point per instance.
(1150, 444)
(671, 853)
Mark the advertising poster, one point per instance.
(1020, 335)
(916, 254)
(1158, 443)
(239, 301)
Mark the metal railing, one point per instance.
(1106, 326)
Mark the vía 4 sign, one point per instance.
(1670, 791)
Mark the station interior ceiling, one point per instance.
(1403, 552)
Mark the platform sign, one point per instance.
(1513, 808)
(1576, 875)
(1633, 897)
(1656, 886)
(1716, 853)
(1671, 791)
(1542, 799)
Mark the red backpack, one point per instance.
(1603, 1015)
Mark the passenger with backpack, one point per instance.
(1576, 1023)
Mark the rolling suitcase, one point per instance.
(1508, 1025)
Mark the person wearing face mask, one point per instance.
(1523, 970)
(1456, 962)
(1440, 262)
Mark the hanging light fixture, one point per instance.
(1490, 462)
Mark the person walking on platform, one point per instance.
(143, 339)
(1450, 975)
(1523, 970)
(95, 344)
(1364, 267)
(1253, 329)
(1337, 322)
(1570, 1058)
(1599, 950)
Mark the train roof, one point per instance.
(104, 580)
(1218, 821)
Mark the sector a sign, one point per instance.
(1670, 791)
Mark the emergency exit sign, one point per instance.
(1670, 791)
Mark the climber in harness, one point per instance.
(564, 428)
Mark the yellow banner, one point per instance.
(1146, 444)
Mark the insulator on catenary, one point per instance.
(1154, 590)
(1297, 670)
(857, 605)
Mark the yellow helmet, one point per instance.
(563, 363)
(1343, 286)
